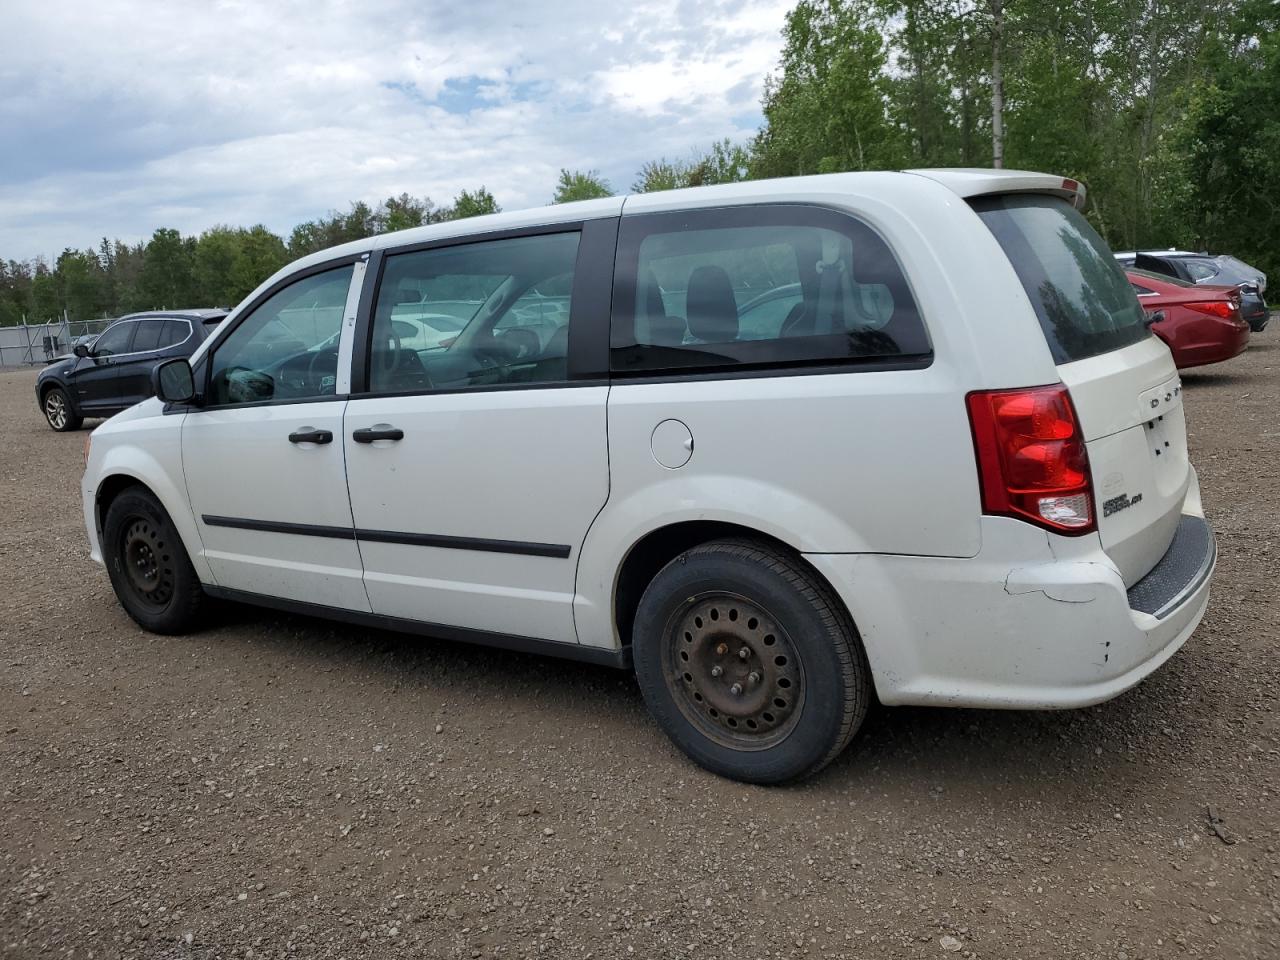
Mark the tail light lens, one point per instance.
(1031, 457)
(1217, 308)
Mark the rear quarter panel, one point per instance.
(849, 462)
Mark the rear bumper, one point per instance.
(1200, 340)
(1032, 622)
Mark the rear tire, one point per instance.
(149, 568)
(749, 662)
(57, 411)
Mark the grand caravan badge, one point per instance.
(1122, 502)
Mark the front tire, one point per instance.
(149, 568)
(58, 412)
(749, 663)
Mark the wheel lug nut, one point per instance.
(717, 670)
(753, 678)
(736, 689)
(744, 653)
(722, 649)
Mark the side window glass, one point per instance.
(115, 340)
(480, 314)
(758, 286)
(1200, 270)
(175, 331)
(287, 348)
(148, 336)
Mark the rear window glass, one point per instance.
(1159, 277)
(1080, 294)
(756, 286)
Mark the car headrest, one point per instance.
(667, 331)
(711, 307)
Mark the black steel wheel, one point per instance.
(149, 568)
(749, 662)
(733, 671)
(58, 412)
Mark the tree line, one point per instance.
(1169, 110)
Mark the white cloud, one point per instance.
(128, 116)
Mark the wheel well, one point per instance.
(47, 386)
(658, 548)
(111, 488)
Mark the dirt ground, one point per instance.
(277, 786)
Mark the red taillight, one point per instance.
(1216, 308)
(1031, 458)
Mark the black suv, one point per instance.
(114, 372)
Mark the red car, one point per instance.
(1201, 324)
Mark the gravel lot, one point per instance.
(277, 786)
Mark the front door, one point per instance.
(96, 377)
(477, 463)
(263, 457)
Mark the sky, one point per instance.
(120, 117)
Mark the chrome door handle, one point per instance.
(379, 431)
(310, 435)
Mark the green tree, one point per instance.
(473, 204)
(44, 295)
(581, 185)
(261, 253)
(166, 279)
(1230, 142)
(828, 108)
(213, 262)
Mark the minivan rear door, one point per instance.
(1121, 378)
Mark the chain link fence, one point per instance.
(37, 344)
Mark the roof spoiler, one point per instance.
(978, 181)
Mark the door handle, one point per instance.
(379, 431)
(310, 435)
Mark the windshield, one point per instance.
(1079, 291)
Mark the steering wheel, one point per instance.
(523, 343)
(314, 376)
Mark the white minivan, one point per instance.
(778, 445)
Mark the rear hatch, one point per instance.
(1122, 380)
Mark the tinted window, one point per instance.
(758, 286)
(148, 336)
(479, 314)
(762, 318)
(1161, 277)
(287, 347)
(1231, 270)
(1079, 292)
(1201, 270)
(115, 340)
(175, 331)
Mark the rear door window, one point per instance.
(175, 331)
(1079, 292)
(757, 286)
(148, 336)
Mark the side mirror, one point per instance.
(173, 381)
(1157, 317)
(81, 350)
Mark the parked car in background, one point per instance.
(112, 372)
(1199, 323)
(953, 472)
(1219, 270)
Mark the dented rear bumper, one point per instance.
(1033, 621)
